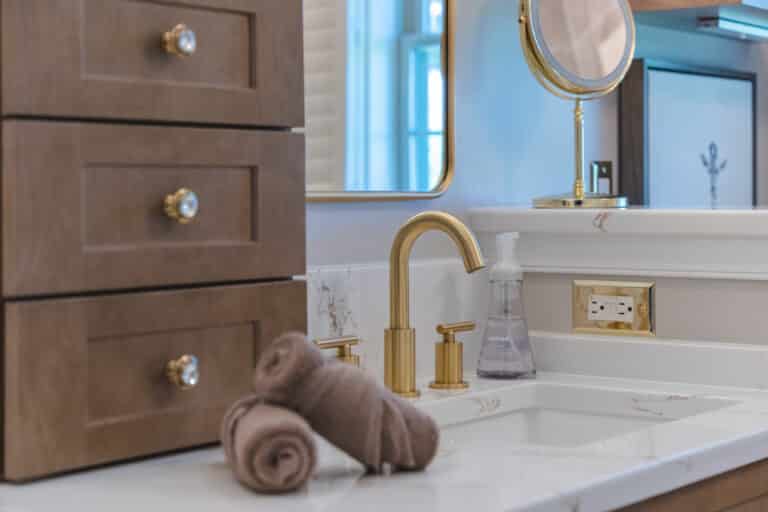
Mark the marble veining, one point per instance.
(332, 297)
(600, 220)
(488, 405)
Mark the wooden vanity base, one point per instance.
(742, 490)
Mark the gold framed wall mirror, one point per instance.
(379, 79)
(578, 51)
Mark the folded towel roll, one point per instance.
(345, 405)
(270, 449)
(285, 366)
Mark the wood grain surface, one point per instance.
(85, 378)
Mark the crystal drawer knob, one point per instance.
(182, 206)
(180, 40)
(183, 372)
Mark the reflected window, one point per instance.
(424, 95)
(434, 11)
(395, 95)
(424, 135)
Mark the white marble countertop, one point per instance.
(474, 469)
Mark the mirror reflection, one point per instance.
(682, 128)
(689, 136)
(586, 39)
(375, 96)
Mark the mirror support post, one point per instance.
(578, 116)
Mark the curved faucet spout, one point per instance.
(401, 252)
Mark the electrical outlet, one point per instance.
(601, 181)
(613, 307)
(610, 308)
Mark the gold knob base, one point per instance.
(400, 362)
(183, 372)
(353, 359)
(181, 206)
(449, 387)
(449, 367)
(180, 41)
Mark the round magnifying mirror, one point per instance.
(578, 50)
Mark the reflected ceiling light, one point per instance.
(733, 29)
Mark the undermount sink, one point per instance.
(547, 414)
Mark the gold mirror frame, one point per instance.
(557, 84)
(448, 42)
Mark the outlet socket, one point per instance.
(613, 307)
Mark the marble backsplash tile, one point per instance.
(354, 300)
(334, 305)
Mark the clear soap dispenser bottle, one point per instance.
(506, 350)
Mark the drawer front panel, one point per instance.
(121, 42)
(85, 206)
(85, 380)
(123, 205)
(132, 362)
(105, 59)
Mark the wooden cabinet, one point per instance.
(758, 505)
(103, 281)
(741, 490)
(104, 59)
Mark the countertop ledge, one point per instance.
(723, 223)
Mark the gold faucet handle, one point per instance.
(448, 331)
(343, 348)
(449, 356)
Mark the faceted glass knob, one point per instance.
(182, 206)
(180, 40)
(183, 372)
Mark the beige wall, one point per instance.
(689, 309)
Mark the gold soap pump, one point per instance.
(449, 357)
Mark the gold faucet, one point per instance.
(400, 338)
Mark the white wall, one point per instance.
(513, 139)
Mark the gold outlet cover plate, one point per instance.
(640, 301)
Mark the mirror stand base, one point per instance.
(589, 201)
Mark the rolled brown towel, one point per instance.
(270, 449)
(346, 406)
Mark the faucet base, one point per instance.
(400, 362)
(449, 387)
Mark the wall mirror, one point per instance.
(379, 98)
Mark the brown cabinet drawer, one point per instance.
(85, 382)
(104, 59)
(83, 206)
